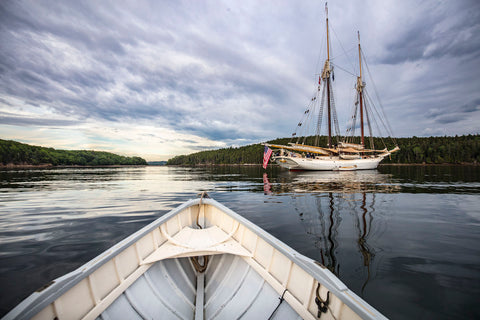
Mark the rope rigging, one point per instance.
(366, 113)
(383, 115)
(303, 125)
(334, 115)
(343, 69)
(376, 123)
(320, 116)
(350, 133)
(345, 52)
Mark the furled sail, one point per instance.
(353, 151)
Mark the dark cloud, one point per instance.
(217, 133)
(26, 121)
(77, 22)
(454, 114)
(449, 29)
(410, 46)
(471, 107)
(449, 118)
(234, 74)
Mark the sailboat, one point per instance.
(346, 153)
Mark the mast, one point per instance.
(360, 86)
(326, 77)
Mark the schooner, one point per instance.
(347, 153)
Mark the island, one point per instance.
(15, 154)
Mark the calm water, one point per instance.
(406, 239)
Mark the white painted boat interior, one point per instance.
(233, 290)
(154, 274)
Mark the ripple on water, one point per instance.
(406, 234)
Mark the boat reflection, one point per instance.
(364, 227)
(339, 224)
(338, 210)
(331, 181)
(324, 228)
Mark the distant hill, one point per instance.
(157, 163)
(16, 153)
(414, 150)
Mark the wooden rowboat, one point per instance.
(199, 261)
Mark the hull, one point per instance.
(152, 274)
(328, 164)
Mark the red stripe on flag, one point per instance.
(266, 156)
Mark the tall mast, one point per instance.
(326, 77)
(328, 39)
(360, 86)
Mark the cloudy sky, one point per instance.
(162, 78)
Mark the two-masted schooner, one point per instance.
(346, 153)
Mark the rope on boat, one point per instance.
(281, 300)
(200, 267)
(202, 195)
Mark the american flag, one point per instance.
(267, 153)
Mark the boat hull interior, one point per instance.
(233, 290)
(199, 261)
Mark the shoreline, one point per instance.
(51, 166)
(473, 164)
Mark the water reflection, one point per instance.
(339, 223)
(330, 181)
(65, 178)
(338, 210)
(406, 234)
(364, 228)
(327, 236)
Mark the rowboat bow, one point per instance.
(198, 261)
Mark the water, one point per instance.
(406, 239)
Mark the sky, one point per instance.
(162, 78)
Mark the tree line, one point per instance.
(16, 153)
(414, 150)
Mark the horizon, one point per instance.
(162, 79)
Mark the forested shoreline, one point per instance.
(13, 153)
(415, 150)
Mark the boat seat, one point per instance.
(189, 242)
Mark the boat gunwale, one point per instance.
(38, 300)
(314, 268)
(33, 304)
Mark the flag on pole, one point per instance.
(267, 153)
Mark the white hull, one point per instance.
(328, 163)
(150, 275)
